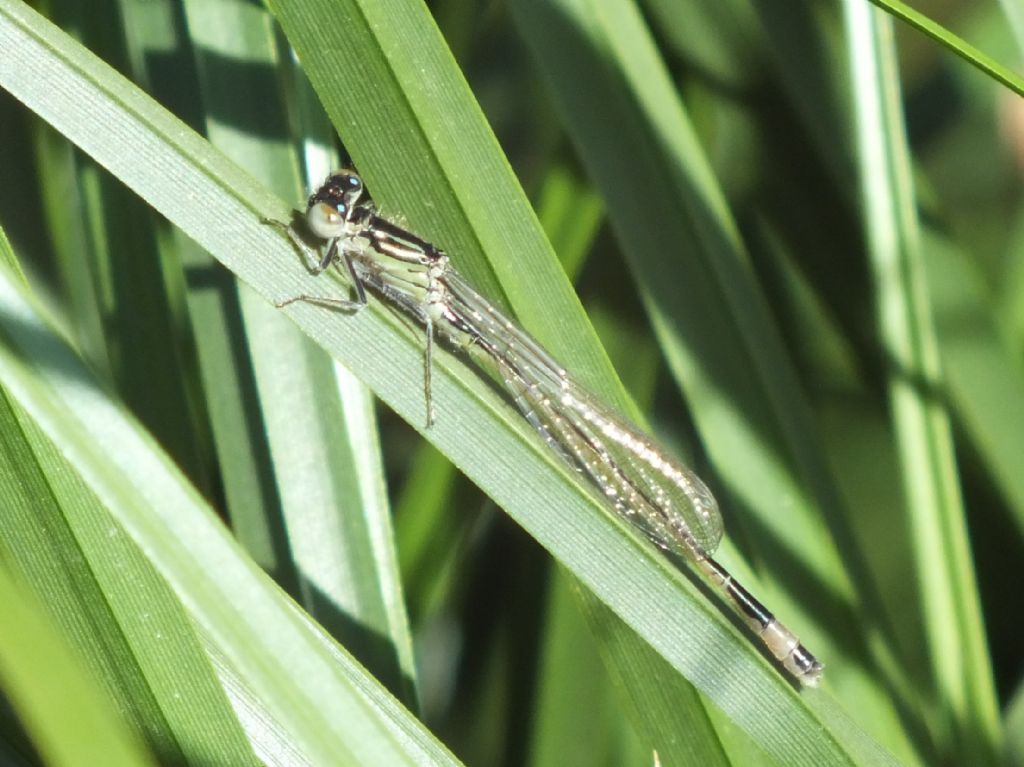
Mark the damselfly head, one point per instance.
(341, 190)
(334, 204)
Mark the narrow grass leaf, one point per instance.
(984, 378)
(406, 115)
(220, 207)
(332, 708)
(70, 718)
(960, 47)
(714, 328)
(323, 525)
(126, 624)
(416, 90)
(953, 626)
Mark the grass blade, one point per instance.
(220, 207)
(966, 701)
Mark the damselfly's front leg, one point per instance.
(316, 263)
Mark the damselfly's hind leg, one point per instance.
(428, 366)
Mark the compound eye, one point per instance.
(352, 186)
(326, 221)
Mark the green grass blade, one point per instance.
(407, 117)
(714, 327)
(70, 719)
(984, 378)
(1014, 719)
(105, 595)
(572, 671)
(220, 207)
(386, 121)
(331, 707)
(126, 623)
(323, 525)
(960, 47)
(953, 626)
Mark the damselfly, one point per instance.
(638, 480)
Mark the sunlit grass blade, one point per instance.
(328, 703)
(985, 381)
(281, 409)
(953, 627)
(68, 715)
(713, 325)
(221, 207)
(385, 119)
(128, 627)
(406, 115)
(960, 47)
